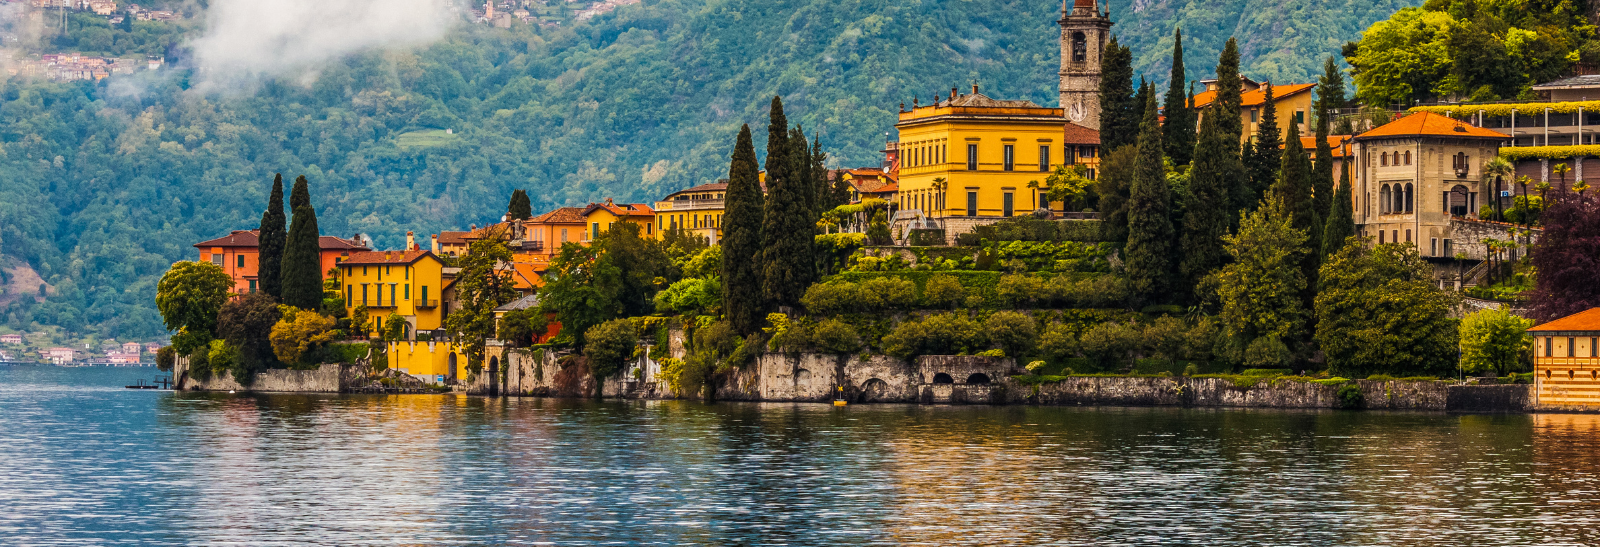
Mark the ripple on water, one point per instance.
(89, 463)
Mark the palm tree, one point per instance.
(1497, 171)
(940, 184)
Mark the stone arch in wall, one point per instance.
(451, 365)
(978, 379)
(801, 375)
(942, 378)
(1383, 200)
(874, 390)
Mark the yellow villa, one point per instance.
(697, 210)
(601, 216)
(1292, 101)
(970, 156)
(1566, 361)
(412, 285)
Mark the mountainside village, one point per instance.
(965, 163)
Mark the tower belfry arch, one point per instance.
(1084, 31)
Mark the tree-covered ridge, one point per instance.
(107, 183)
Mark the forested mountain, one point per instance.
(103, 185)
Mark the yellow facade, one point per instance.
(986, 151)
(433, 361)
(599, 217)
(697, 210)
(405, 283)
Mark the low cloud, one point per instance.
(248, 39)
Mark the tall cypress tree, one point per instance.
(1141, 97)
(1321, 181)
(1149, 261)
(1226, 109)
(742, 299)
(1178, 130)
(787, 237)
(302, 261)
(1341, 218)
(805, 185)
(1293, 191)
(519, 208)
(1330, 89)
(1206, 219)
(271, 241)
(1269, 147)
(1118, 126)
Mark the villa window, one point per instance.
(1010, 157)
(972, 203)
(348, 290)
(241, 261)
(1044, 158)
(1408, 157)
(972, 157)
(216, 259)
(1008, 204)
(1383, 159)
(1409, 200)
(252, 286)
(408, 291)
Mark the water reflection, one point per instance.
(89, 463)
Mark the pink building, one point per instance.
(60, 356)
(10, 339)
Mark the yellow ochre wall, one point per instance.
(426, 359)
(938, 148)
(1563, 380)
(601, 219)
(410, 282)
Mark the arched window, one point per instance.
(1409, 201)
(1080, 47)
(1383, 159)
(1383, 200)
(1408, 157)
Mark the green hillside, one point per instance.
(104, 185)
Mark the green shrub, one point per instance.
(1108, 344)
(991, 353)
(1191, 369)
(835, 336)
(1012, 331)
(1267, 352)
(1350, 397)
(927, 237)
(1058, 343)
(1265, 372)
(1381, 378)
(608, 345)
(889, 293)
(943, 291)
(939, 334)
(1014, 289)
(690, 296)
(166, 357)
(831, 298)
(1163, 338)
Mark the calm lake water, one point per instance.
(87, 462)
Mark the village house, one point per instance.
(132, 348)
(696, 210)
(12, 339)
(1402, 166)
(121, 358)
(600, 217)
(238, 255)
(1293, 103)
(1566, 361)
(60, 356)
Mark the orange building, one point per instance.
(1566, 360)
(1293, 103)
(238, 255)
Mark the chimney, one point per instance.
(435, 243)
(608, 201)
(411, 240)
(953, 93)
(974, 88)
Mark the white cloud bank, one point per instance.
(245, 39)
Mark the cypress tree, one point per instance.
(271, 241)
(1293, 191)
(742, 300)
(1341, 219)
(1141, 97)
(1111, 189)
(1269, 148)
(1149, 260)
(1178, 131)
(1118, 126)
(301, 195)
(302, 261)
(1206, 219)
(1226, 109)
(787, 237)
(1330, 89)
(519, 208)
(1321, 181)
(805, 217)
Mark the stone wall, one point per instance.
(1490, 398)
(1467, 236)
(1222, 392)
(329, 378)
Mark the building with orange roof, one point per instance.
(1293, 102)
(1417, 173)
(1082, 147)
(600, 217)
(1566, 361)
(238, 255)
(866, 183)
(1339, 144)
(697, 210)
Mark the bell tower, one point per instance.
(1084, 31)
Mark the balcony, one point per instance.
(424, 304)
(529, 246)
(690, 205)
(378, 306)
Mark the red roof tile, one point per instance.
(622, 209)
(386, 257)
(1336, 142)
(1588, 320)
(453, 238)
(252, 239)
(562, 215)
(1257, 97)
(1077, 134)
(1429, 124)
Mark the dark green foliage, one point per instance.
(519, 208)
(1012, 332)
(522, 328)
(1226, 109)
(1113, 187)
(836, 337)
(1380, 311)
(1350, 397)
(1141, 100)
(948, 333)
(608, 345)
(742, 299)
(1033, 229)
(926, 237)
(1178, 131)
(189, 296)
(1118, 125)
(1321, 186)
(1149, 260)
(1293, 190)
(302, 282)
(271, 241)
(786, 228)
(1341, 222)
(245, 323)
(480, 288)
(1330, 92)
(1209, 213)
(1267, 156)
(612, 277)
(166, 357)
(300, 196)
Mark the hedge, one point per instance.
(1505, 109)
(926, 237)
(1033, 229)
(1548, 152)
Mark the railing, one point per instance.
(532, 245)
(692, 204)
(424, 304)
(379, 306)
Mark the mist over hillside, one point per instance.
(103, 185)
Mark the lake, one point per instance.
(90, 463)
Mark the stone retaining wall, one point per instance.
(330, 378)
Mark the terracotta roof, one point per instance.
(1427, 123)
(1588, 320)
(453, 238)
(562, 215)
(236, 238)
(1256, 97)
(621, 209)
(1336, 142)
(252, 239)
(1077, 134)
(386, 257)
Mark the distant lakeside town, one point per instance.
(39, 348)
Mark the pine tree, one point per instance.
(271, 241)
(1341, 219)
(1118, 127)
(1206, 219)
(301, 195)
(1321, 181)
(1269, 147)
(1149, 260)
(302, 260)
(805, 217)
(1330, 90)
(1112, 187)
(519, 208)
(787, 236)
(1178, 132)
(742, 300)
